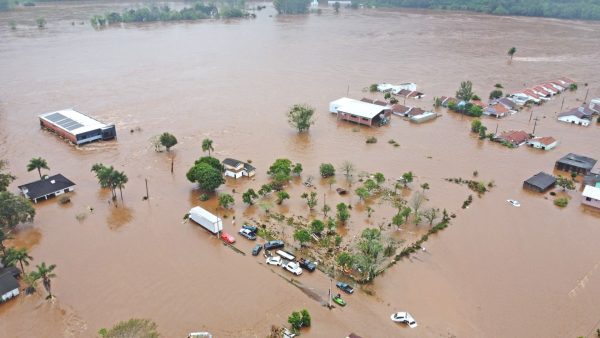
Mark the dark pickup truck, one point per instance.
(273, 245)
(308, 265)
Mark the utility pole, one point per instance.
(147, 195)
(534, 125)
(496, 132)
(348, 91)
(562, 104)
(530, 115)
(586, 94)
(330, 285)
(171, 165)
(324, 203)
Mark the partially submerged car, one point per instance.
(227, 238)
(345, 287)
(256, 250)
(274, 260)
(248, 234)
(294, 268)
(308, 265)
(404, 317)
(270, 245)
(251, 228)
(515, 203)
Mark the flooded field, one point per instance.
(497, 271)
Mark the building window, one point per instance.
(589, 199)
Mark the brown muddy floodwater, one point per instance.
(497, 271)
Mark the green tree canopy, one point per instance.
(226, 200)
(465, 92)
(14, 210)
(317, 226)
(300, 116)
(207, 145)
(281, 196)
(133, 328)
(207, 177)
(291, 6)
(168, 140)
(302, 236)
(327, 170)
(37, 164)
(5, 178)
(249, 196)
(342, 212)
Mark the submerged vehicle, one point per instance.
(345, 287)
(404, 317)
(514, 203)
(308, 265)
(338, 300)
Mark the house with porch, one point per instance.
(591, 196)
(236, 169)
(360, 112)
(544, 143)
(47, 187)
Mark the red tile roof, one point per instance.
(400, 109)
(546, 140)
(515, 136)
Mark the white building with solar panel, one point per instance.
(77, 127)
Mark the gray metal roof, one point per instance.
(46, 186)
(541, 180)
(578, 161)
(7, 283)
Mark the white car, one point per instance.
(404, 317)
(294, 268)
(274, 260)
(514, 203)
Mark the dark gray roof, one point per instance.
(578, 161)
(7, 283)
(580, 112)
(12, 270)
(591, 179)
(541, 180)
(234, 163)
(46, 186)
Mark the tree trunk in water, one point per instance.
(121, 191)
(40, 172)
(47, 286)
(22, 268)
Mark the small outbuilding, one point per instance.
(544, 143)
(360, 112)
(77, 127)
(9, 287)
(47, 187)
(575, 163)
(540, 182)
(237, 169)
(591, 196)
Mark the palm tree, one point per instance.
(45, 273)
(120, 180)
(511, 52)
(3, 237)
(207, 145)
(39, 164)
(107, 177)
(18, 255)
(30, 280)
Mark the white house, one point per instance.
(545, 143)
(580, 116)
(9, 287)
(591, 196)
(521, 98)
(395, 89)
(343, 2)
(595, 105)
(237, 169)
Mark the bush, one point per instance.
(371, 139)
(327, 170)
(561, 202)
(373, 88)
(496, 94)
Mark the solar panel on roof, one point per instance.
(74, 126)
(67, 123)
(55, 117)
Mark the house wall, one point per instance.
(574, 120)
(234, 174)
(591, 202)
(10, 295)
(58, 131)
(570, 168)
(543, 146)
(354, 118)
(89, 136)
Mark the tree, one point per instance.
(330, 225)
(326, 208)
(331, 181)
(39, 164)
(46, 274)
(17, 255)
(565, 183)
(4, 237)
(475, 125)
(342, 212)
(511, 52)
(207, 177)
(300, 117)
(496, 94)
(379, 178)
(407, 178)
(475, 111)
(373, 88)
(317, 226)
(213, 162)
(348, 169)
(155, 141)
(362, 193)
(482, 131)
(297, 169)
(265, 189)
(291, 6)
(398, 220)
(168, 140)
(311, 199)
(226, 200)
(249, 196)
(120, 179)
(431, 214)
(302, 236)
(425, 186)
(41, 22)
(295, 319)
(370, 185)
(282, 196)
(344, 259)
(336, 7)
(207, 145)
(465, 92)
(5, 178)
(14, 210)
(306, 320)
(106, 177)
(30, 280)
(417, 201)
(133, 328)
(406, 211)
(266, 206)
(280, 172)
(326, 170)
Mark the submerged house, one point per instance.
(496, 110)
(400, 110)
(580, 116)
(365, 113)
(77, 127)
(595, 105)
(544, 143)
(237, 169)
(9, 286)
(591, 196)
(514, 137)
(47, 187)
(575, 163)
(445, 100)
(395, 89)
(540, 182)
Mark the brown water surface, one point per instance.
(497, 271)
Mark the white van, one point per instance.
(286, 255)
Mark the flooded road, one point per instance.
(497, 271)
